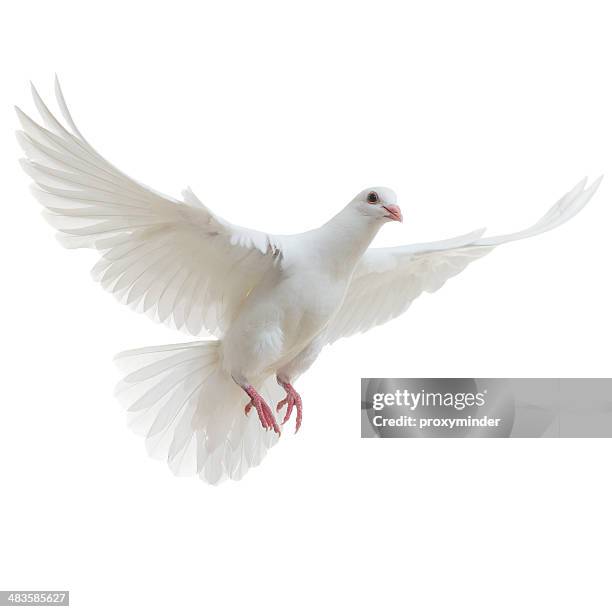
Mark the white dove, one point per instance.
(273, 302)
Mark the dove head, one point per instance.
(378, 203)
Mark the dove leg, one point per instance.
(298, 365)
(293, 400)
(264, 412)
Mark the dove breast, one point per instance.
(279, 318)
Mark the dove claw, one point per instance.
(292, 400)
(281, 404)
(266, 417)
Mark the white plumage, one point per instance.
(273, 302)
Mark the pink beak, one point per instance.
(394, 212)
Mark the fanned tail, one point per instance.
(191, 412)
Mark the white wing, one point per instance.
(387, 280)
(175, 260)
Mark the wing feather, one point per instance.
(175, 260)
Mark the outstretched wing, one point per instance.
(175, 260)
(387, 280)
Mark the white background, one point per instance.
(277, 113)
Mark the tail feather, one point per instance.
(191, 412)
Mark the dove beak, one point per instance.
(394, 211)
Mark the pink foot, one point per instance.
(293, 399)
(263, 410)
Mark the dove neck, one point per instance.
(346, 237)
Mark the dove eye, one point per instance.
(372, 197)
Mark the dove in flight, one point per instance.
(272, 301)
